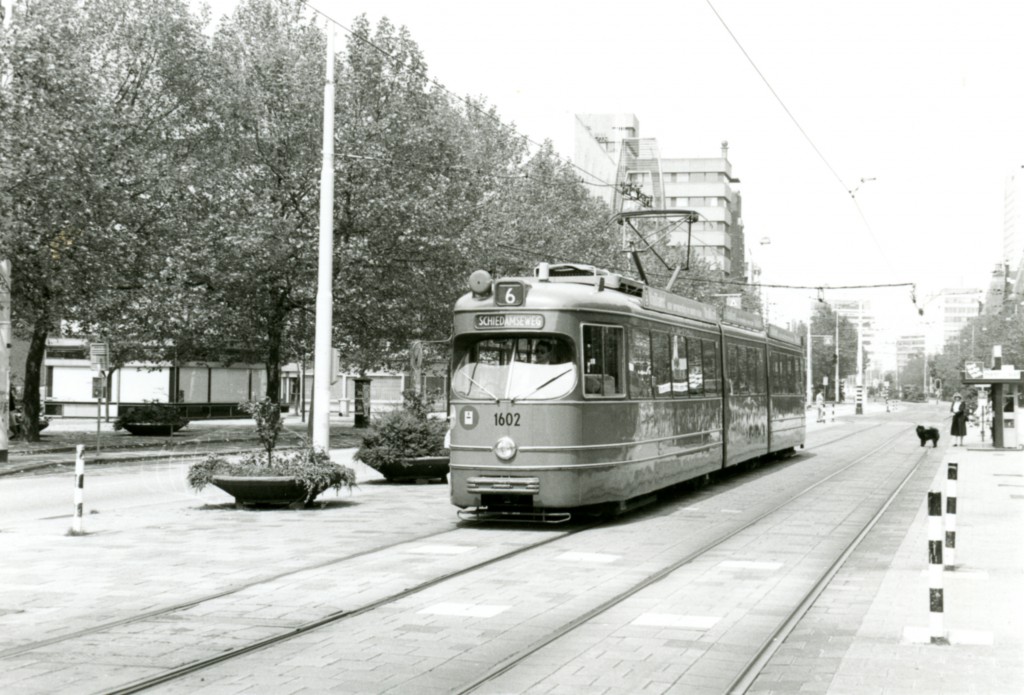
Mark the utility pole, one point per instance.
(321, 411)
(860, 357)
(836, 399)
(810, 386)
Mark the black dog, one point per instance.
(926, 433)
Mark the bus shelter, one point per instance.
(1006, 386)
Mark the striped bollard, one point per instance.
(935, 598)
(833, 411)
(76, 524)
(949, 557)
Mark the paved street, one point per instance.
(254, 573)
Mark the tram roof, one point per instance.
(580, 286)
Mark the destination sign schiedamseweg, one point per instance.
(519, 321)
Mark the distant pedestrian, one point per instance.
(959, 427)
(819, 400)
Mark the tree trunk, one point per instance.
(33, 368)
(273, 364)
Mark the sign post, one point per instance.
(99, 357)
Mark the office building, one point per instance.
(629, 172)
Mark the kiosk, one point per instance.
(1007, 389)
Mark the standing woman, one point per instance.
(959, 427)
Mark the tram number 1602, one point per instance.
(506, 419)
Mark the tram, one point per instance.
(577, 388)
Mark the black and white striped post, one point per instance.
(949, 557)
(76, 524)
(936, 628)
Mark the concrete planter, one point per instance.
(148, 429)
(252, 490)
(422, 468)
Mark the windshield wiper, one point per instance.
(482, 388)
(552, 379)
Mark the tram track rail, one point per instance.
(753, 668)
(330, 619)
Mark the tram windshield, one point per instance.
(516, 368)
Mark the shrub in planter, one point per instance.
(311, 468)
(307, 470)
(398, 437)
(150, 418)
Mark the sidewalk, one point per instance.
(983, 616)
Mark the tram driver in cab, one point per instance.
(544, 353)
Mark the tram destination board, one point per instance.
(668, 303)
(514, 321)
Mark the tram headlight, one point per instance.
(505, 449)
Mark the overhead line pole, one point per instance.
(320, 416)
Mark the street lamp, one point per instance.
(322, 353)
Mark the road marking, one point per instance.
(440, 549)
(685, 622)
(749, 565)
(601, 558)
(464, 610)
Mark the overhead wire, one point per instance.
(598, 181)
(803, 132)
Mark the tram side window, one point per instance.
(661, 364)
(602, 350)
(696, 377)
(755, 371)
(737, 365)
(711, 378)
(680, 385)
(639, 364)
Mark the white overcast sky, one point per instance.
(924, 96)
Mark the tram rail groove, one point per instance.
(188, 669)
(661, 574)
(741, 684)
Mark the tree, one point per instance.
(94, 119)
(540, 211)
(415, 172)
(239, 284)
(825, 351)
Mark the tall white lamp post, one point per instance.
(324, 287)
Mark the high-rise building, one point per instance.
(998, 290)
(947, 313)
(908, 346)
(626, 167)
(1013, 220)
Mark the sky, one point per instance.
(924, 99)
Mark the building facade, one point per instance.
(69, 388)
(623, 165)
(947, 313)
